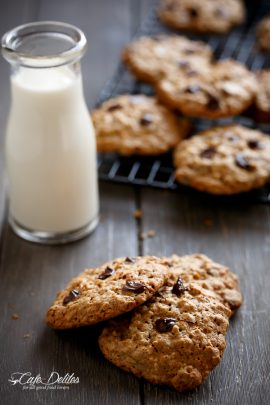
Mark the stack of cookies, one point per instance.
(189, 83)
(170, 315)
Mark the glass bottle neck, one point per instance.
(44, 44)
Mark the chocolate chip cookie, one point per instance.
(110, 290)
(150, 58)
(218, 280)
(202, 16)
(221, 89)
(263, 33)
(176, 338)
(260, 110)
(224, 160)
(137, 125)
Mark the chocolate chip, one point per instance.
(193, 89)
(165, 324)
(231, 137)
(106, 273)
(73, 295)
(213, 102)
(183, 64)
(146, 120)
(208, 153)
(114, 107)
(189, 51)
(134, 286)
(179, 288)
(193, 13)
(255, 144)
(130, 259)
(242, 162)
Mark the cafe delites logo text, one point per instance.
(54, 381)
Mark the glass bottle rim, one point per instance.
(43, 44)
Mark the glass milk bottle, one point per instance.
(50, 140)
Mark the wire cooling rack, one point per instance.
(158, 172)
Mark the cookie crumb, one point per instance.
(142, 236)
(151, 233)
(15, 317)
(137, 214)
(134, 286)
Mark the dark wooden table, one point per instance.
(30, 275)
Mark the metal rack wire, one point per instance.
(158, 172)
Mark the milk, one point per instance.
(51, 152)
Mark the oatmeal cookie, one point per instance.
(219, 281)
(137, 125)
(176, 338)
(263, 33)
(150, 58)
(222, 89)
(101, 293)
(202, 16)
(260, 110)
(224, 160)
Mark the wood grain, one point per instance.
(31, 275)
(237, 236)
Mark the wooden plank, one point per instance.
(31, 275)
(237, 236)
(146, 7)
